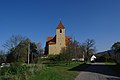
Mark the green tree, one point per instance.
(20, 52)
(71, 51)
(78, 50)
(116, 49)
(2, 56)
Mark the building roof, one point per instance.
(67, 40)
(52, 40)
(49, 38)
(60, 26)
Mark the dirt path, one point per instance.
(97, 71)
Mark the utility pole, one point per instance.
(28, 52)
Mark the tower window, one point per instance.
(60, 31)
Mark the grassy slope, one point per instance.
(59, 72)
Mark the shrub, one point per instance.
(15, 68)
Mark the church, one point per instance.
(54, 44)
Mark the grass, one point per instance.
(57, 72)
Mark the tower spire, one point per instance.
(60, 26)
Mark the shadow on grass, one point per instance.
(99, 68)
(80, 67)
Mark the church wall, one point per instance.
(52, 49)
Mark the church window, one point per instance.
(60, 31)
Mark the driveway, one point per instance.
(97, 71)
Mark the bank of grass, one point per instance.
(49, 71)
(57, 72)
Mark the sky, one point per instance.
(83, 19)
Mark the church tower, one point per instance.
(60, 37)
(54, 44)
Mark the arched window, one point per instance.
(60, 31)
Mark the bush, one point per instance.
(18, 71)
(15, 68)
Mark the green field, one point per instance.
(57, 72)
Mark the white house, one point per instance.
(93, 58)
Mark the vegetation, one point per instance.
(18, 71)
(49, 71)
(19, 47)
(2, 57)
(13, 41)
(116, 49)
(105, 57)
(22, 50)
(59, 71)
(78, 50)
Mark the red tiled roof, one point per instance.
(49, 38)
(67, 40)
(60, 26)
(52, 40)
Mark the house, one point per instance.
(54, 44)
(93, 58)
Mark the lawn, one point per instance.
(57, 72)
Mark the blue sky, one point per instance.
(83, 19)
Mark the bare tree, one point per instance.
(39, 48)
(13, 41)
(88, 48)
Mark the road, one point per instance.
(97, 71)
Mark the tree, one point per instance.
(20, 52)
(39, 49)
(89, 48)
(13, 41)
(75, 49)
(78, 50)
(116, 49)
(72, 50)
(2, 56)
(33, 53)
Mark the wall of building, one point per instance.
(52, 49)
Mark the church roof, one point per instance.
(60, 26)
(67, 40)
(52, 40)
(49, 38)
